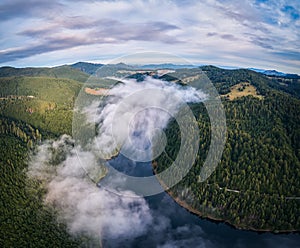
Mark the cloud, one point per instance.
(210, 34)
(150, 31)
(263, 42)
(241, 11)
(111, 28)
(70, 171)
(288, 55)
(115, 26)
(104, 217)
(48, 46)
(21, 9)
(136, 110)
(86, 208)
(105, 31)
(228, 37)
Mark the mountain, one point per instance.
(94, 69)
(165, 66)
(274, 73)
(255, 186)
(89, 68)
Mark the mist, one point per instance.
(68, 172)
(108, 219)
(66, 169)
(134, 113)
(85, 208)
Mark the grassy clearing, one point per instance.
(242, 89)
(97, 91)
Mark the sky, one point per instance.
(250, 33)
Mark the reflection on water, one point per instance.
(173, 226)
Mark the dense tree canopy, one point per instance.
(253, 186)
(257, 181)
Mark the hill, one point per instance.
(31, 109)
(274, 73)
(256, 184)
(64, 71)
(89, 68)
(224, 79)
(46, 103)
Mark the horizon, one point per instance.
(143, 64)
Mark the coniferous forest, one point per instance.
(255, 186)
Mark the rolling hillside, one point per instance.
(46, 103)
(64, 71)
(252, 188)
(256, 185)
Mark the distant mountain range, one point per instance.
(91, 68)
(81, 70)
(166, 66)
(274, 73)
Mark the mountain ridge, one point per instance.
(90, 68)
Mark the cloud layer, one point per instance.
(109, 220)
(106, 218)
(86, 208)
(134, 111)
(263, 33)
(70, 172)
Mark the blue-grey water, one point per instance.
(174, 226)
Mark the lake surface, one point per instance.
(174, 226)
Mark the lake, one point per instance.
(174, 226)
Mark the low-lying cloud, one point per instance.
(113, 220)
(107, 219)
(67, 169)
(85, 208)
(134, 112)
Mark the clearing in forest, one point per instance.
(242, 89)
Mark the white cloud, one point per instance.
(70, 173)
(86, 208)
(242, 28)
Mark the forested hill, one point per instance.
(32, 108)
(223, 79)
(256, 185)
(89, 68)
(253, 187)
(64, 71)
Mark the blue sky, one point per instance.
(261, 34)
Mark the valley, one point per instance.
(255, 186)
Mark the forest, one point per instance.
(256, 185)
(253, 187)
(32, 108)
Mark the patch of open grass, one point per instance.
(242, 89)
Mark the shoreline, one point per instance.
(201, 215)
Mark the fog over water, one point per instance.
(115, 220)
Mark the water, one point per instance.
(174, 226)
